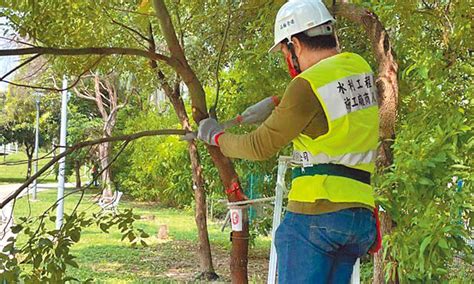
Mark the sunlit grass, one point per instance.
(105, 258)
(17, 173)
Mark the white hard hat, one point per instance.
(297, 16)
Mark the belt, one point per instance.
(332, 170)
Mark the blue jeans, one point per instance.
(323, 248)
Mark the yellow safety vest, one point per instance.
(337, 165)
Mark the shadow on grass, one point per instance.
(173, 261)
(12, 180)
(169, 262)
(22, 180)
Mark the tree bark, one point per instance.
(387, 87)
(174, 95)
(29, 154)
(77, 169)
(204, 252)
(227, 173)
(205, 255)
(106, 99)
(104, 152)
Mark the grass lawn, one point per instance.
(106, 259)
(17, 173)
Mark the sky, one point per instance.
(7, 62)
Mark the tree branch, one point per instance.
(168, 30)
(83, 144)
(21, 65)
(128, 28)
(57, 89)
(86, 51)
(198, 97)
(213, 108)
(86, 96)
(16, 40)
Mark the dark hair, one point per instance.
(316, 42)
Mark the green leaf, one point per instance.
(75, 235)
(71, 263)
(425, 181)
(104, 227)
(16, 229)
(426, 241)
(443, 244)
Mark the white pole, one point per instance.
(35, 182)
(280, 187)
(355, 278)
(62, 161)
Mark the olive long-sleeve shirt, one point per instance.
(298, 112)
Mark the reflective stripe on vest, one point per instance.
(345, 87)
(305, 158)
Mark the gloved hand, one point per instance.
(258, 112)
(209, 131)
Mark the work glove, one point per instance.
(259, 112)
(209, 131)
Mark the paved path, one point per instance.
(6, 220)
(7, 189)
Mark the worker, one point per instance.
(329, 112)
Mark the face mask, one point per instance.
(291, 69)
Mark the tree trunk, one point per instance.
(104, 151)
(77, 169)
(205, 256)
(379, 275)
(204, 251)
(240, 240)
(227, 173)
(29, 154)
(387, 87)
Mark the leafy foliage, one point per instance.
(47, 251)
(434, 141)
(157, 168)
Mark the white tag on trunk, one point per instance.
(236, 219)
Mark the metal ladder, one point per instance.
(283, 162)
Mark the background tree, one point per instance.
(109, 95)
(83, 124)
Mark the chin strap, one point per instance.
(294, 58)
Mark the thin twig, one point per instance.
(22, 162)
(83, 144)
(125, 26)
(213, 109)
(17, 41)
(132, 12)
(122, 148)
(56, 89)
(32, 74)
(19, 66)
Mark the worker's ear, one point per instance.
(297, 46)
(284, 49)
